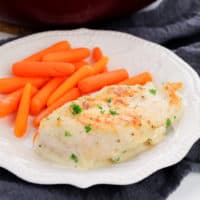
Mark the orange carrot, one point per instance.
(11, 84)
(10, 102)
(80, 64)
(34, 90)
(97, 54)
(39, 101)
(59, 46)
(42, 69)
(69, 96)
(100, 65)
(23, 111)
(70, 83)
(142, 79)
(99, 81)
(73, 55)
(106, 69)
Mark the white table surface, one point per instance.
(189, 188)
(5, 35)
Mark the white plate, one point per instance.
(124, 50)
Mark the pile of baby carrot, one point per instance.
(54, 76)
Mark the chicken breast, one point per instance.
(110, 126)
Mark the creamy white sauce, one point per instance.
(132, 122)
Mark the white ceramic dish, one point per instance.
(124, 50)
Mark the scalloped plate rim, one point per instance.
(7, 164)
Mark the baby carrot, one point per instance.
(142, 79)
(10, 102)
(11, 84)
(100, 65)
(70, 83)
(99, 81)
(23, 111)
(42, 69)
(73, 55)
(80, 64)
(39, 101)
(69, 96)
(97, 54)
(59, 46)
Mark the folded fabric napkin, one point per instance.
(176, 25)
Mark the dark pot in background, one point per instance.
(63, 13)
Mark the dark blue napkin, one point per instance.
(176, 25)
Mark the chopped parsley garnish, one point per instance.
(88, 128)
(59, 118)
(76, 109)
(113, 112)
(168, 123)
(174, 116)
(149, 141)
(102, 111)
(47, 118)
(109, 100)
(152, 91)
(74, 157)
(116, 160)
(67, 133)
